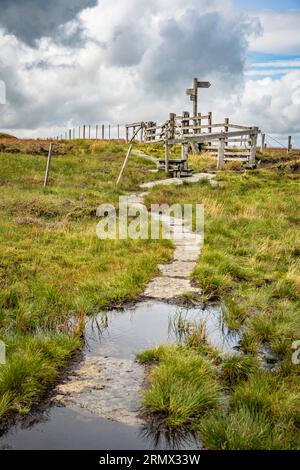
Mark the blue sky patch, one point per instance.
(281, 5)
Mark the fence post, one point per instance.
(102, 131)
(221, 154)
(96, 131)
(84, 132)
(153, 132)
(185, 122)
(209, 122)
(184, 154)
(167, 157)
(48, 166)
(118, 131)
(199, 123)
(262, 146)
(127, 133)
(226, 128)
(253, 147)
(172, 118)
(289, 148)
(89, 131)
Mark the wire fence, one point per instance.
(95, 131)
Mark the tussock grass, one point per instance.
(33, 363)
(238, 368)
(53, 266)
(250, 258)
(182, 386)
(269, 393)
(240, 430)
(250, 263)
(152, 355)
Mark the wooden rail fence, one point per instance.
(225, 140)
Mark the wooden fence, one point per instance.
(226, 140)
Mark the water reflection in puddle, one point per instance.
(119, 334)
(122, 334)
(65, 429)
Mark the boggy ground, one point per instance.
(251, 265)
(52, 265)
(54, 268)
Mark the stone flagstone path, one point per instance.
(109, 387)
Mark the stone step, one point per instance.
(168, 287)
(177, 268)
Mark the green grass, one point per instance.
(251, 265)
(156, 149)
(182, 386)
(250, 259)
(240, 430)
(152, 355)
(53, 266)
(238, 368)
(33, 363)
(6, 136)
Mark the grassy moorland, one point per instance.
(251, 265)
(52, 266)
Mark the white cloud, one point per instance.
(281, 32)
(135, 63)
(273, 105)
(2, 92)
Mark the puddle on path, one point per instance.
(102, 394)
(65, 429)
(123, 333)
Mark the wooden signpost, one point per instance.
(193, 93)
(191, 131)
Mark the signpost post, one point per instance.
(193, 93)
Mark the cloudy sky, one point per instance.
(67, 63)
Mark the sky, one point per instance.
(65, 64)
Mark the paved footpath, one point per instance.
(110, 387)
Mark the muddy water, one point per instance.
(97, 407)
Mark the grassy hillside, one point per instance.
(6, 136)
(251, 264)
(53, 266)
